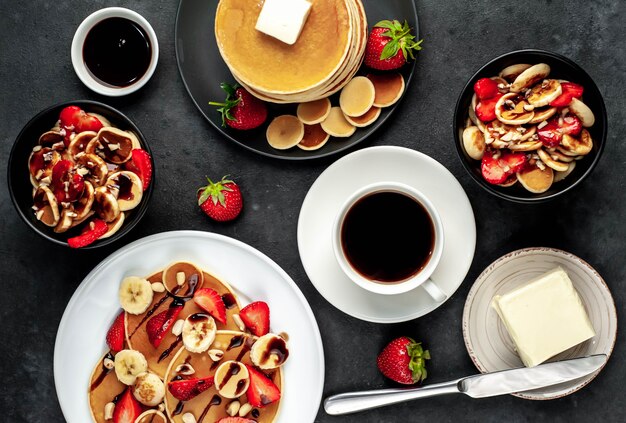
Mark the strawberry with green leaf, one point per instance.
(404, 361)
(241, 110)
(390, 45)
(220, 200)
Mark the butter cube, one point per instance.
(544, 317)
(283, 19)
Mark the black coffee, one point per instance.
(387, 237)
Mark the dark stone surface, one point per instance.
(38, 278)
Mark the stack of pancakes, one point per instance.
(326, 56)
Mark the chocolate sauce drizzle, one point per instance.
(216, 400)
(103, 373)
(169, 349)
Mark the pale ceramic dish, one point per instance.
(487, 341)
(384, 164)
(80, 340)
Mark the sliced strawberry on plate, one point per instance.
(262, 390)
(491, 169)
(186, 389)
(256, 317)
(91, 233)
(141, 164)
(235, 420)
(158, 326)
(513, 162)
(211, 302)
(117, 334)
(486, 88)
(486, 109)
(127, 408)
(569, 91)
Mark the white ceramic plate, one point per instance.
(486, 338)
(80, 339)
(384, 164)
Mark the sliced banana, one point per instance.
(543, 114)
(536, 180)
(511, 72)
(581, 145)
(114, 226)
(232, 379)
(269, 352)
(530, 77)
(92, 168)
(128, 365)
(135, 294)
(198, 332)
(84, 205)
(559, 176)
(105, 204)
(549, 161)
(46, 206)
(65, 222)
(512, 110)
(582, 112)
(129, 189)
(79, 143)
(543, 94)
(474, 142)
(149, 389)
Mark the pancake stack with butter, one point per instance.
(323, 59)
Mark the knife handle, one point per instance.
(352, 402)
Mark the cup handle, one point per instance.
(434, 291)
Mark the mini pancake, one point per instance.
(114, 226)
(314, 137)
(284, 132)
(190, 274)
(336, 124)
(314, 112)
(103, 387)
(236, 346)
(159, 358)
(389, 88)
(357, 97)
(559, 176)
(365, 120)
(151, 416)
(535, 179)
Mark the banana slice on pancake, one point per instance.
(366, 119)
(510, 73)
(474, 142)
(388, 88)
(198, 332)
(542, 114)
(105, 204)
(543, 94)
(357, 97)
(314, 137)
(129, 189)
(135, 295)
(579, 146)
(536, 180)
(128, 365)
(550, 162)
(559, 176)
(530, 77)
(46, 206)
(582, 112)
(513, 109)
(232, 379)
(284, 132)
(313, 112)
(148, 389)
(336, 124)
(269, 352)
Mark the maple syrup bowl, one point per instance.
(115, 51)
(388, 238)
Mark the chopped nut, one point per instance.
(507, 137)
(114, 147)
(39, 174)
(36, 148)
(108, 363)
(189, 418)
(239, 322)
(180, 278)
(521, 129)
(185, 369)
(39, 214)
(233, 408)
(216, 355)
(59, 145)
(161, 407)
(529, 107)
(47, 180)
(565, 111)
(245, 409)
(540, 165)
(158, 287)
(177, 329)
(81, 154)
(560, 121)
(82, 171)
(542, 124)
(108, 410)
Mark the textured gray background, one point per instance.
(38, 278)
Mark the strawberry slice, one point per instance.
(262, 390)
(67, 185)
(486, 88)
(486, 109)
(159, 325)
(211, 302)
(117, 334)
(141, 164)
(73, 119)
(256, 317)
(570, 125)
(235, 420)
(127, 408)
(491, 169)
(570, 91)
(186, 389)
(91, 232)
(512, 162)
(549, 134)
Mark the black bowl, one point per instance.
(562, 68)
(18, 178)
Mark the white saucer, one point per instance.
(377, 164)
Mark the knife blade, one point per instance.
(477, 386)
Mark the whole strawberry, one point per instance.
(221, 200)
(390, 45)
(241, 110)
(404, 361)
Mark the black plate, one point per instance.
(20, 186)
(202, 70)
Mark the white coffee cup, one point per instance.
(422, 277)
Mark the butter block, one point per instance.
(544, 317)
(283, 19)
